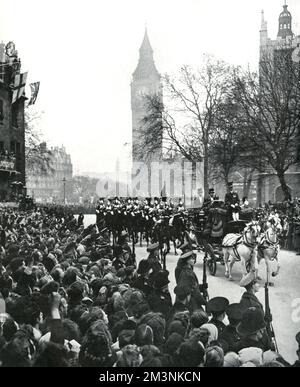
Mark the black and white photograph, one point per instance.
(149, 186)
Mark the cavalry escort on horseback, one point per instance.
(224, 231)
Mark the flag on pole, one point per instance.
(34, 92)
(19, 86)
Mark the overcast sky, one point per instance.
(84, 53)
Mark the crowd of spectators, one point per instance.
(68, 298)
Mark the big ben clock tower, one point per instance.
(145, 81)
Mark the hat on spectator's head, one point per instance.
(173, 343)
(182, 291)
(70, 276)
(64, 265)
(143, 335)
(126, 332)
(84, 260)
(177, 327)
(252, 321)
(161, 279)
(50, 287)
(16, 263)
(157, 322)
(50, 261)
(130, 356)
(211, 190)
(248, 279)
(76, 290)
(151, 356)
(143, 267)
(186, 256)
(214, 356)
(217, 305)
(234, 312)
(129, 270)
(232, 359)
(96, 345)
(251, 354)
(192, 352)
(13, 249)
(198, 318)
(153, 247)
(121, 272)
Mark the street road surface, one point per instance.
(284, 296)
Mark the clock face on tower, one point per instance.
(141, 92)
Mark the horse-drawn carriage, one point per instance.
(209, 227)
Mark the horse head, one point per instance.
(274, 223)
(253, 230)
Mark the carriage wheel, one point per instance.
(211, 260)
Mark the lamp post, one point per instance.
(64, 181)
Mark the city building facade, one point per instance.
(12, 126)
(55, 184)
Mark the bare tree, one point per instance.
(38, 158)
(225, 142)
(187, 120)
(270, 102)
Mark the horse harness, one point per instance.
(243, 239)
(266, 243)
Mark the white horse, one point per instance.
(242, 247)
(268, 247)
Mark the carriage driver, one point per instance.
(208, 201)
(232, 202)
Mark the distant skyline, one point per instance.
(84, 54)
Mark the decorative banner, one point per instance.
(34, 92)
(19, 86)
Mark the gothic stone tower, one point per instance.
(285, 43)
(145, 81)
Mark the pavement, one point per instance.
(284, 296)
